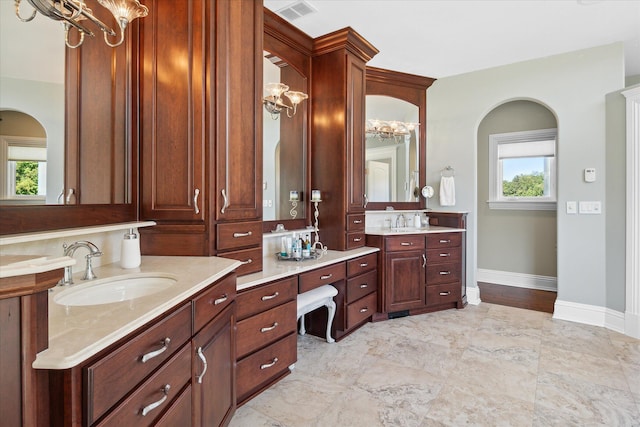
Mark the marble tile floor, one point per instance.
(485, 365)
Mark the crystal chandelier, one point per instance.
(72, 12)
(273, 101)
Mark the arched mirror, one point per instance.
(285, 145)
(395, 139)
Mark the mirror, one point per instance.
(283, 148)
(391, 160)
(394, 161)
(32, 96)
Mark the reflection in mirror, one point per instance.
(32, 95)
(391, 160)
(284, 154)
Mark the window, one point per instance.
(26, 168)
(522, 170)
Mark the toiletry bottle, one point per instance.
(130, 250)
(416, 220)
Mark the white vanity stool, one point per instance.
(315, 298)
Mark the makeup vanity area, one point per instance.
(225, 329)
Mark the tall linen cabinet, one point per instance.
(200, 134)
(338, 122)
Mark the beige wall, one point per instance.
(516, 241)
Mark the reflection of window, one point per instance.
(522, 170)
(25, 161)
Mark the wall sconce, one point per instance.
(389, 129)
(294, 198)
(72, 12)
(273, 102)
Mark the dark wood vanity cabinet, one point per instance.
(176, 370)
(201, 134)
(337, 129)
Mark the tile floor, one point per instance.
(485, 365)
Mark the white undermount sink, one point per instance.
(115, 289)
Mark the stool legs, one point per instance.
(302, 328)
(331, 307)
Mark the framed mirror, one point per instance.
(285, 142)
(395, 145)
(84, 101)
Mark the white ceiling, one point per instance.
(439, 38)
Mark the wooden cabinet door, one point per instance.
(356, 81)
(172, 75)
(404, 281)
(238, 126)
(214, 371)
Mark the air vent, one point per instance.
(296, 10)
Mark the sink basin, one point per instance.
(115, 289)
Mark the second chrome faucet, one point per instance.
(69, 250)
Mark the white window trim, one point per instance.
(5, 142)
(495, 202)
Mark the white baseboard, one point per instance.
(632, 325)
(590, 315)
(519, 280)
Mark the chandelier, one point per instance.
(73, 12)
(389, 129)
(274, 104)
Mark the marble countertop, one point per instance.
(383, 231)
(79, 332)
(20, 265)
(274, 269)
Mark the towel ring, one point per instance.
(448, 171)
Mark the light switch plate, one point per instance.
(590, 174)
(590, 207)
(572, 207)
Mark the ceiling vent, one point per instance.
(296, 10)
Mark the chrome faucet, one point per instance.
(401, 221)
(69, 250)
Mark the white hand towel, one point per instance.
(447, 191)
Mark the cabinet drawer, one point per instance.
(113, 376)
(359, 286)
(361, 309)
(161, 389)
(355, 240)
(404, 243)
(259, 330)
(321, 276)
(238, 235)
(211, 302)
(179, 414)
(362, 264)
(264, 297)
(265, 365)
(443, 273)
(443, 240)
(251, 260)
(445, 254)
(355, 223)
(442, 294)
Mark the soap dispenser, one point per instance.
(130, 251)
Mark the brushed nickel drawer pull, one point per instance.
(248, 233)
(268, 297)
(445, 273)
(326, 276)
(445, 241)
(268, 365)
(150, 407)
(196, 193)
(225, 204)
(364, 310)
(357, 239)
(249, 261)
(364, 285)
(424, 260)
(165, 345)
(69, 194)
(364, 264)
(269, 328)
(220, 300)
(406, 243)
(204, 364)
(445, 255)
(357, 221)
(444, 294)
